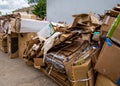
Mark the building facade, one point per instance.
(62, 10)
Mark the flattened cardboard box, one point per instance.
(104, 81)
(116, 34)
(80, 73)
(107, 23)
(22, 39)
(108, 63)
(80, 19)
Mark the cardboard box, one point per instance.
(107, 23)
(80, 72)
(22, 39)
(108, 63)
(104, 81)
(116, 35)
(81, 75)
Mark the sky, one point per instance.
(7, 6)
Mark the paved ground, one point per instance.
(14, 72)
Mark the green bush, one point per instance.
(40, 9)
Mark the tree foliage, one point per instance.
(40, 9)
(0, 13)
(30, 1)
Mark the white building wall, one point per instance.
(62, 10)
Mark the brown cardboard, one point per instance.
(80, 72)
(3, 45)
(12, 23)
(94, 56)
(114, 13)
(117, 8)
(60, 78)
(38, 62)
(3, 42)
(104, 81)
(80, 19)
(116, 34)
(26, 16)
(22, 43)
(91, 74)
(108, 63)
(22, 39)
(107, 23)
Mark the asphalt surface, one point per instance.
(15, 72)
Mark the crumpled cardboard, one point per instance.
(86, 19)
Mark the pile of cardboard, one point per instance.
(3, 42)
(66, 56)
(107, 63)
(83, 54)
(9, 25)
(76, 60)
(3, 33)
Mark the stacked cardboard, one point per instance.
(23, 39)
(107, 23)
(83, 54)
(26, 15)
(62, 51)
(109, 18)
(107, 63)
(3, 42)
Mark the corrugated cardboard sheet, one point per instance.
(116, 34)
(104, 81)
(108, 63)
(107, 23)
